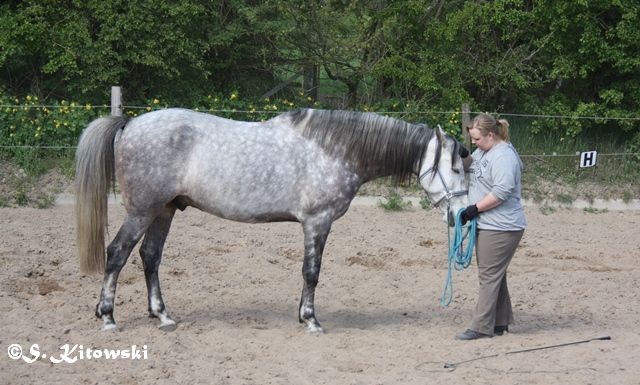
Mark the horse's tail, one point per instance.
(95, 174)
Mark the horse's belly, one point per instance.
(246, 208)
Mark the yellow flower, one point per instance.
(88, 106)
(28, 98)
(148, 108)
(233, 96)
(156, 101)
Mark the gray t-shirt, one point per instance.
(498, 171)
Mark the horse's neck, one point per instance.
(374, 172)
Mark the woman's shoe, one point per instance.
(500, 329)
(471, 335)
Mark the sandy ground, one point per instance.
(234, 289)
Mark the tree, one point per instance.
(342, 38)
(154, 48)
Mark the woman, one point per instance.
(495, 187)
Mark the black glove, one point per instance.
(463, 152)
(469, 213)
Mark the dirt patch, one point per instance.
(234, 290)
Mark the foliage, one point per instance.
(26, 123)
(33, 132)
(78, 49)
(544, 57)
(394, 202)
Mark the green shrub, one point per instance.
(394, 202)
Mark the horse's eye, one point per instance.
(455, 170)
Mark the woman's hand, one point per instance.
(469, 213)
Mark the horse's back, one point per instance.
(238, 170)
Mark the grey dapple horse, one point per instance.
(304, 166)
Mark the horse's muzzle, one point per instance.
(451, 220)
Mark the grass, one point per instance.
(393, 201)
(23, 185)
(425, 203)
(593, 210)
(546, 210)
(564, 199)
(553, 156)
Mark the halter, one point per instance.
(448, 195)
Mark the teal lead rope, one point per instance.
(459, 257)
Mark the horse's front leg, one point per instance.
(315, 237)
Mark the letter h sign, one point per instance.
(588, 159)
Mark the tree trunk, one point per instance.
(310, 81)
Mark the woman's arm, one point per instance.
(488, 202)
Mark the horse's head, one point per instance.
(442, 175)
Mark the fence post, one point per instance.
(116, 101)
(465, 120)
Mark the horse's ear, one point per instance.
(440, 134)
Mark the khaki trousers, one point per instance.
(494, 250)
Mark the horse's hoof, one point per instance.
(314, 329)
(167, 324)
(109, 327)
(168, 327)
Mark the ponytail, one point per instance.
(502, 129)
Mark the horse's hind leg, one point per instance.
(151, 254)
(117, 254)
(315, 237)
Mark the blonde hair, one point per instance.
(486, 123)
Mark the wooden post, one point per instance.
(465, 120)
(116, 101)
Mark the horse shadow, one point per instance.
(340, 319)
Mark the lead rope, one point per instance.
(459, 257)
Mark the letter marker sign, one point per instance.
(588, 159)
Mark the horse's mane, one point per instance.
(371, 142)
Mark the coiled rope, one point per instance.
(459, 257)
